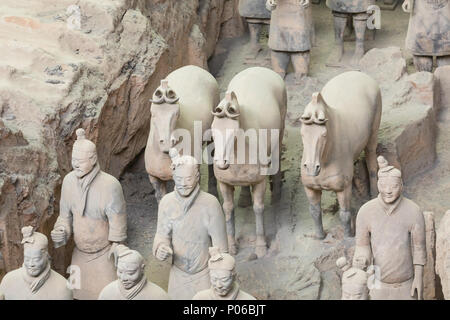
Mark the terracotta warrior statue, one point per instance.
(354, 280)
(342, 9)
(291, 35)
(428, 32)
(131, 283)
(223, 279)
(92, 208)
(256, 15)
(35, 280)
(390, 230)
(189, 221)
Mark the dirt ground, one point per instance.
(297, 266)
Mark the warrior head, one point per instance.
(390, 184)
(84, 154)
(35, 251)
(222, 271)
(186, 174)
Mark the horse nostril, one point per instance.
(161, 141)
(304, 165)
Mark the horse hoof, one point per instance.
(260, 251)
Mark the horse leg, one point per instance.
(245, 197)
(159, 186)
(371, 151)
(314, 197)
(371, 161)
(227, 192)
(212, 181)
(345, 214)
(259, 190)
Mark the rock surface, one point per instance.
(93, 65)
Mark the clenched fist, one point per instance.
(163, 252)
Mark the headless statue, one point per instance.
(291, 36)
(428, 32)
(35, 280)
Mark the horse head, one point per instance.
(314, 134)
(224, 129)
(165, 112)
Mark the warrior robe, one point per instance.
(235, 294)
(93, 209)
(291, 27)
(429, 28)
(50, 285)
(254, 9)
(190, 226)
(146, 291)
(350, 6)
(394, 235)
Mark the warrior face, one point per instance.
(390, 188)
(83, 162)
(186, 178)
(221, 281)
(354, 292)
(35, 261)
(129, 272)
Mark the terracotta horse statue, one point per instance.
(337, 125)
(187, 95)
(255, 103)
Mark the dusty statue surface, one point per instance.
(332, 142)
(390, 234)
(92, 208)
(357, 11)
(35, 280)
(255, 100)
(188, 94)
(443, 254)
(189, 222)
(291, 35)
(131, 283)
(428, 32)
(222, 271)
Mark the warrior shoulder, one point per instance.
(157, 292)
(202, 295)
(107, 292)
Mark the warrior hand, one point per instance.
(163, 252)
(58, 234)
(304, 3)
(417, 285)
(271, 4)
(407, 6)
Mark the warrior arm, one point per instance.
(65, 214)
(419, 249)
(163, 234)
(217, 228)
(117, 218)
(362, 249)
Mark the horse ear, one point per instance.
(164, 84)
(317, 98)
(230, 96)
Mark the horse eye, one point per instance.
(219, 109)
(158, 93)
(231, 110)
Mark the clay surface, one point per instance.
(443, 254)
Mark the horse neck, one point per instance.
(332, 144)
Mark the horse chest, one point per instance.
(242, 175)
(325, 181)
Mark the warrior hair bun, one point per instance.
(27, 231)
(341, 262)
(382, 162)
(81, 134)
